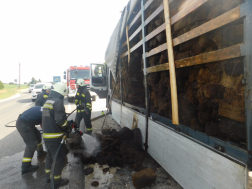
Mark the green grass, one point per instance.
(10, 90)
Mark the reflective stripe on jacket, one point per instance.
(83, 97)
(54, 117)
(41, 98)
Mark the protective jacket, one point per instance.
(41, 98)
(54, 117)
(83, 99)
(33, 116)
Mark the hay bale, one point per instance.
(232, 112)
(144, 178)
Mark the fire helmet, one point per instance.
(80, 82)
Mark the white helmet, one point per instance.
(47, 86)
(80, 82)
(60, 88)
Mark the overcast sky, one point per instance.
(48, 36)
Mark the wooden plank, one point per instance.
(133, 35)
(217, 22)
(139, 28)
(155, 32)
(132, 49)
(157, 50)
(135, 19)
(191, 6)
(128, 46)
(221, 20)
(136, 46)
(124, 54)
(222, 54)
(158, 68)
(154, 14)
(173, 83)
(188, 7)
(147, 4)
(232, 112)
(124, 43)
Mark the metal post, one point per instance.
(247, 51)
(145, 76)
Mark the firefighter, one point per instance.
(42, 97)
(83, 105)
(31, 135)
(55, 124)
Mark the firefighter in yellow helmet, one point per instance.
(55, 124)
(83, 104)
(42, 97)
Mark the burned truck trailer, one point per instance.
(182, 74)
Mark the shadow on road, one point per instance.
(24, 100)
(10, 166)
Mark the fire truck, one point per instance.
(71, 75)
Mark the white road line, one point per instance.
(27, 104)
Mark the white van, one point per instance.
(31, 88)
(36, 90)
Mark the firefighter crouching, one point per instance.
(83, 105)
(55, 124)
(26, 127)
(42, 97)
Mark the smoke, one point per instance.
(91, 145)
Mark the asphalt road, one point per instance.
(12, 145)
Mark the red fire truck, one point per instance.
(72, 74)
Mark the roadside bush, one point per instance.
(1, 85)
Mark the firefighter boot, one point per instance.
(60, 182)
(41, 153)
(89, 132)
(48, 177)
(27, 167)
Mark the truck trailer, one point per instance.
(181, 72)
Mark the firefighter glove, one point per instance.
(68, 129)
(79, 107)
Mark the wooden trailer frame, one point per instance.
(239, 50)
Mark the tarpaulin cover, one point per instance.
(112, 51)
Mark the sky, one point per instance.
(48, 36)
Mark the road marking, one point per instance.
(27, 104)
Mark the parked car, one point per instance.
(36, 90)
(31, 88)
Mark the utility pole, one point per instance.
(19, 76)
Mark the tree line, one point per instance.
(33, 81)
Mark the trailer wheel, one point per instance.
(70, 99)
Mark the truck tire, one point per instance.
(70, 99)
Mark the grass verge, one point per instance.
(10, 90)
